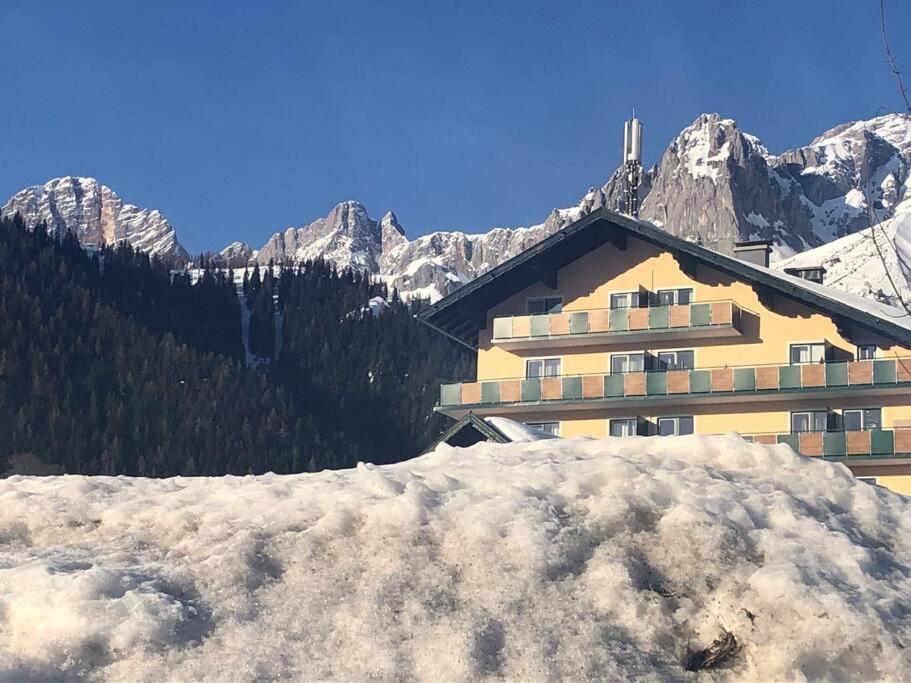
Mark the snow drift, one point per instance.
(561, 558)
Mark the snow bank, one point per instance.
(555, 559)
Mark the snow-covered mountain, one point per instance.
(715, 184)
(96, 215)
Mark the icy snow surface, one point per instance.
(566, 558)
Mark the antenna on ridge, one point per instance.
(632, 166)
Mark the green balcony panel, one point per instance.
(700, 381)
(613, 385)
(656, 383)
(531, 390)
(619, 320)
(490, 392)
(793, 440)
(744, 379)
(657, 317)
(882, 442)
(700, 315)
(450, 394)
(572, 388)
(836, 374)
(578, 323)
(789, 377)
(833, 443)
(884, 372)
(540, 325)
(502, 328)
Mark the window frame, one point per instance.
(676, 292)
(676, 420)
(864, 427)
(543, 360)
(539, 425)
(631, 296)
(811, 421)
(657, 356)
(627, 355)
(858, 351)
(627, 420)
(810, 345)
(544, 300)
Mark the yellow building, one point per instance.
(614, 327)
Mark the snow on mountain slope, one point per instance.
(96, 215)
(559, 559)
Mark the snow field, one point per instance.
(551, 559)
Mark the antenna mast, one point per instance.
(632, 166)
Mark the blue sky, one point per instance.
(240, 119)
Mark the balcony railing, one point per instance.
(873, 443)
(767, 380)
(697, 319)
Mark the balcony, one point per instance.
(874, 444)
(710, 319)
(837, 379)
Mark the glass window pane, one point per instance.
(623, 427)
(853, 420)
(619, 300)
(666, 426)
(800, 353)
(684, 296)
(534, 368)
(618, 364)
(685, 360)
(666, 297)
(552, 428)
(553, 304)
(820, 421)
(535, 306)
(866, 352)
(818, 353)
(873, 418)
(666, 360)
(685, 425)
(551, 367)
(800, 422)
(637, 362)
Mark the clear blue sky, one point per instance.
(240, 119)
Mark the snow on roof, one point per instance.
(516, 431)
(564, 559)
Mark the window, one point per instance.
(807, 353)
(809, 421)
(866, 352)
(675, 426)
(672, 297)
(869, 480)
(627, 426)
(543, 367)
(545, 304)
(552, 428)
(628, 300)
(859, 420)
(627, 362)
(676, 360)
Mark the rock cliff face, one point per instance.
(96, 215)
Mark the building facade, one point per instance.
(613, 327)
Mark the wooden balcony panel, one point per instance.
(510, 391)
(471, 393)
(858, 443)
(634, 384)
(811, 443)
(813, 375)
(678, 382)
(679, 316)
(903, 370)
(860, 372)
(599, 321)
(767, 378)
(551, 388)
(722, 313)
(521, 326)
(723, 379)
(559, 324)
(593, 386)
(638, 319)
(903, 440)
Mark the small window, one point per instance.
(809, 421)
(869, 480)
(675, 297)
(552, 428)
(542, 367)
(629, 300)
(676, 360)
(807, 353)
(866, 352)
(627, 426)
(546, 304)
(675, 426)
(627, 362)
(860, 420)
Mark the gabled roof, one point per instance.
(462, 314)
(470, 430)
